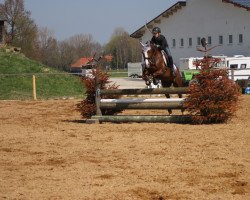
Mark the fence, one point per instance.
(139, 103)
(28, 86)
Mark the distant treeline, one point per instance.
(39, 43)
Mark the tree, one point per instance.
(84, 45)
(75, 47)
(21, 30)
(47, 47)
(123, 48)
(213, 96)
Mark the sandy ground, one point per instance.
(128, 82)
(48, 152)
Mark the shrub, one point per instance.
(213, 96)
(87, 107)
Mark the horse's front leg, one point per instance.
(146, 77)
(156, 76)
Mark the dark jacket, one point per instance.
(160, 41)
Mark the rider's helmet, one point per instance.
(156, 30)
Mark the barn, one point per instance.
(222, 22)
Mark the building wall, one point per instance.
(203, 18)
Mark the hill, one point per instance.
(16, 72)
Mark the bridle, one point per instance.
(148, 60)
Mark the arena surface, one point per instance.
(48, 152)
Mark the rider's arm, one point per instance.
(164, 43)
(155, 42)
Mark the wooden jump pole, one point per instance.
(136, 103)
(122, 104)
(144, 118)
(141, 100)
(171, 90)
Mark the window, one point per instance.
(173, 43)
(230, 39)
(182, 42)
(220, 39)
(209, 40)
(198, 41)
(240, 38)
(190, 42)
(243, 66)
(233, 66)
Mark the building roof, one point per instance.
(80, 62)
(84, 61)
(240, 3)
(167, 13)
(170, 11)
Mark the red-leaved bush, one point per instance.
(87, 107)
(213, 96)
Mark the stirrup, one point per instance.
(172, 72)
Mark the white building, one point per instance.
(221, 22)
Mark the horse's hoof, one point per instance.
(170, 112)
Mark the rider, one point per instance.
(161, 42)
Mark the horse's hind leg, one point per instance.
(178, 83)
(164, 84)
(169, 110)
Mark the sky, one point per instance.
(99, 18)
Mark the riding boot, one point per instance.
(171, 66)
(172, 71)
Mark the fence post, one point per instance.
(97, 94)
(34, 87)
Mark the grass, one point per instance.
(16, 72)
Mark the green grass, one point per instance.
(16, 79)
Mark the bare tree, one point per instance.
(21, 30)
(67, 55)
(123, 48)
(43, 37)
(84, 45)
(13, 11)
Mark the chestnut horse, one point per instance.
(155, 69)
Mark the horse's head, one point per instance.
(148, 52)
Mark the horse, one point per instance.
(155, 69)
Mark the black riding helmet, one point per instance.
(156, 30)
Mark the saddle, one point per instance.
(166, 61)
(165, 57)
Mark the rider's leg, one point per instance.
(170, 61)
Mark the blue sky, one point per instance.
(96, 17)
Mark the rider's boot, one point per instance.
(171, 66)
(172, 71)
